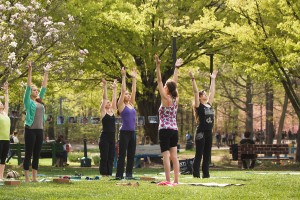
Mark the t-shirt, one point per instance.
(206, 118)
(5, 127)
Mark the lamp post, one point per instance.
(61, 113)
(174, 50)
(211, 68)
(211, 64)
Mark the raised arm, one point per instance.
(121, 104)
(5, 88)
(104, 99)
(195, 89)
(29, 79)
(178, 63)
(114, 96)
(212, 87)
(26, 99)
(46, 71)
(133, 89)
(160, 85)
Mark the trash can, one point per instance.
(86, 162)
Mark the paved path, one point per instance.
(79, 147)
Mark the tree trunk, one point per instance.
(14, 118)
(298, 143)
(249, 106)
(149, 107)
(282, 117)
(269, 114)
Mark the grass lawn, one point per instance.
(267, 181)
(257, 185)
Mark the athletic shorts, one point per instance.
(168, 138)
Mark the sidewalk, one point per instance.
(79, 147)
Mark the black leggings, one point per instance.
(127, 145)
(203, 149)
(107, 152)
(4, 148)
(33, 145)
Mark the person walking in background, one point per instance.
(204, 115)
(4, 130)
(34, 122)
(168, 130)
(127, 141)
(218, 139)
(107, 137)
(230, 139)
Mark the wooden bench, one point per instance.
(274, 149)
(49, 150)
(144, 151)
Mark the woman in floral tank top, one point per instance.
(168, 131)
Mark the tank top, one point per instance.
(206, 118)
(128, 119)
(38, 122)
(108, 123)
(167, 117)
(5, 127)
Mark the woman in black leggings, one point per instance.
(107, 138)
(204, 115)
(34, 123)
(4, 131)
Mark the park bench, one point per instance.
(49, 150)
(269, 149)
(144, 151)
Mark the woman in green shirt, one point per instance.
(4, 131)
(34, 123)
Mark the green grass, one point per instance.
(272, 185)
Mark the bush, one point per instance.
(75, 156)
(96, 160)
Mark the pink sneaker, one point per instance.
(172, 184)
(164, 183)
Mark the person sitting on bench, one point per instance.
(63, 156)
(246, 157)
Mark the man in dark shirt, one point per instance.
(245, 157)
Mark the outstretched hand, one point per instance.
(5, 86)
(178, 62)
(29, 65)
(103, 81)
(191, 74)
(114, 84)
(134, 73)
(214, 74)
(47, 67)
(123, 71)
(157, 60)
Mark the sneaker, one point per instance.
(164, 183)
(172, 184)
